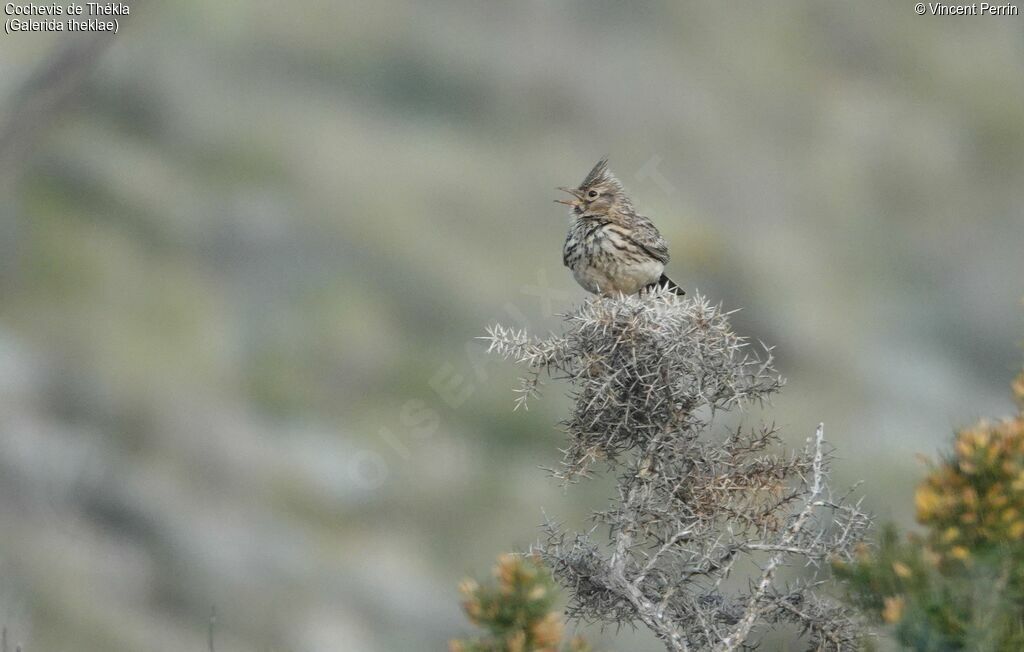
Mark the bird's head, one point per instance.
(599, 195)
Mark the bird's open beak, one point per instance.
(568, 202)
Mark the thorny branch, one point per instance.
(649, 376)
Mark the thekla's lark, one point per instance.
(611, 249)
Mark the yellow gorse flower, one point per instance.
(975, 497)
(901, 569)
(518, 609)
(893, 610)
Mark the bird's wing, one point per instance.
(647, 237)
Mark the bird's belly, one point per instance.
(611, 277)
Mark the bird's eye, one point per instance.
(592, 194)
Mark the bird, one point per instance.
(610, 248)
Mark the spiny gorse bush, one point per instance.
(517, 611)
(649, 376)
(960, 583)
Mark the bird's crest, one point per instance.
(600, 174)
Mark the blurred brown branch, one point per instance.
(46, 92)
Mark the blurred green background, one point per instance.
(245, 249)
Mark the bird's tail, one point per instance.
(668, 284)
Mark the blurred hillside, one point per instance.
(242, 267)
